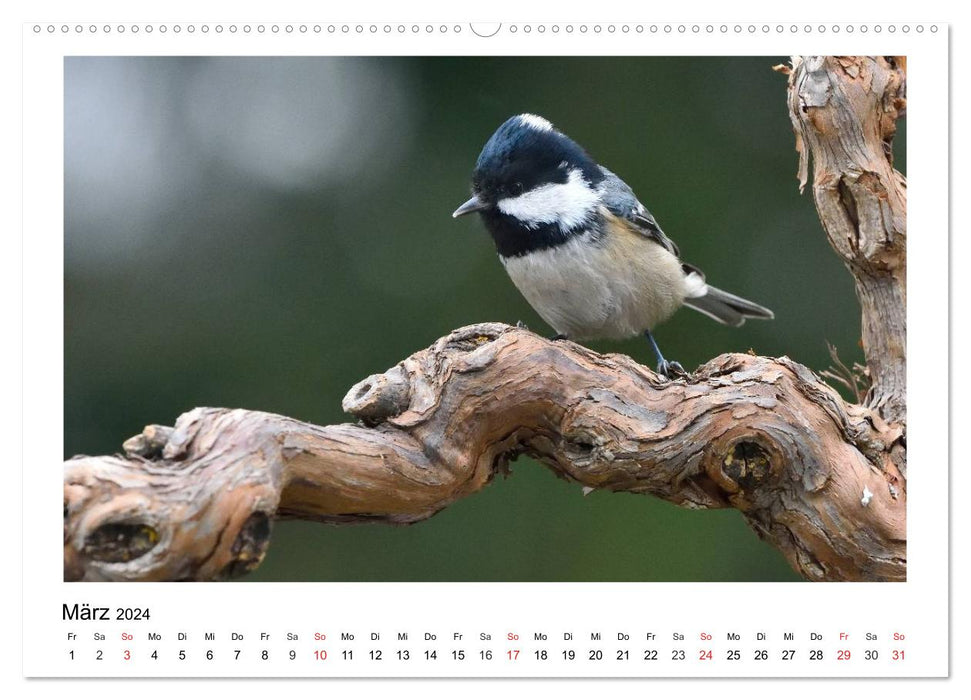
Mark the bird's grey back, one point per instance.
(617, 196)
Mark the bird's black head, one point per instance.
(533, 186)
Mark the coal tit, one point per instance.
(576, 242)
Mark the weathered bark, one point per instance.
(844, 110)
(821, 479)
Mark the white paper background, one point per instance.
(918, 608)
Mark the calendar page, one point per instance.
(435, 348)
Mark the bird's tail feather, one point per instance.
(727, 308)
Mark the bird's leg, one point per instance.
(671, 370)
(559, 336)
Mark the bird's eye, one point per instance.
(516, 189)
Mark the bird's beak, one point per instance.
(474, 204)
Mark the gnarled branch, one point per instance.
(761, 435)
(821, 479)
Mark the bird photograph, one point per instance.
(419, 318)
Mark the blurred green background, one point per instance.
(265, 232)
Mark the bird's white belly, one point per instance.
(616, 289)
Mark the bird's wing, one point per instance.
(621, 201)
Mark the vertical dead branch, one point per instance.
(844, 110)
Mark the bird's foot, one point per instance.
(672, 370)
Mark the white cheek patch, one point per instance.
(567, 203)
